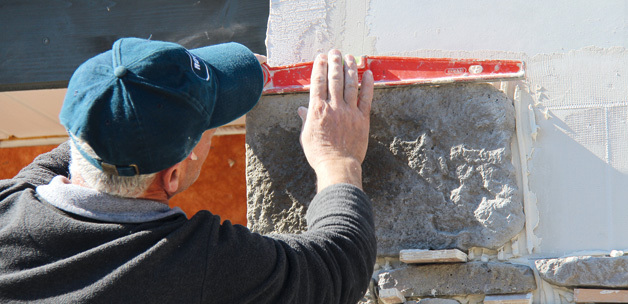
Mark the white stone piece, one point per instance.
(509, 299)
(419, 256)
(437, 301)
(391, 296)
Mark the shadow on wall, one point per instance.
(438, 170)
(581, 197)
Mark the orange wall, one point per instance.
(221, 187)
(12, 160)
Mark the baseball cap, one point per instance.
(143, 105)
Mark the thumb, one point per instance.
(302, 111)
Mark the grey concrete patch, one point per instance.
(459, 279)
(438, 168)
(603, 272)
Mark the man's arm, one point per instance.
(336, 122)
(332, 262)
(47, 166)
(335, 138)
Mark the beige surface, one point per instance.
(31, 118)
(27, 114)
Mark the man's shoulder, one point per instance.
(11, 188)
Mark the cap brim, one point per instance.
(240, 80)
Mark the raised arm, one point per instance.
(332, 262)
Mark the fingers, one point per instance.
(334, 82)
(351, 81)
(336, 77)
(302, 111)
(366, 93)
(318, 81)
(260, 58)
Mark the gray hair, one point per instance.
(125, 186)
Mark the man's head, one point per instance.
(143, 106)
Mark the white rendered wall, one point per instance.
(572, 108)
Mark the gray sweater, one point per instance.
(58, 251)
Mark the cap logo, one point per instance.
(199, 67)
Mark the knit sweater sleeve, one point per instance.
(332, 262)
(46, 166)
(340, 223)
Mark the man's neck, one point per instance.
(154, 192)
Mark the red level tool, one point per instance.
(393, 71)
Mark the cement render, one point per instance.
(438, 168)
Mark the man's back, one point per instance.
(52, 254)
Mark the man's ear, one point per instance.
(170, 179)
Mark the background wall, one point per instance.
(572, 109)
(220, 188)
(43, 42)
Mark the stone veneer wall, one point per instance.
(438, 170)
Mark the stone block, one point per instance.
(438, 167)
(437, 301)
(391, 296)
(459, 279)
(585, 271)
(419, 256)
(509, 299)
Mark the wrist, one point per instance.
(338, 171)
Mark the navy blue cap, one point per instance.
(143, 105)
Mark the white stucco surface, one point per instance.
(579, 168)
(531, 27)
(576, 87)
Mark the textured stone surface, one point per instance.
(438, 168)
(459, 279)
(585, 271)
(279, 181)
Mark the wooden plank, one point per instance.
(391, 296)
(509, 299)
(420, 256)
(44, 41)
(583, 295)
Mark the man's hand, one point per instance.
(260, 58)
(336, 124)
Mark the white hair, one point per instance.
(125, 186)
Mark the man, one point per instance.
(89, 221)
